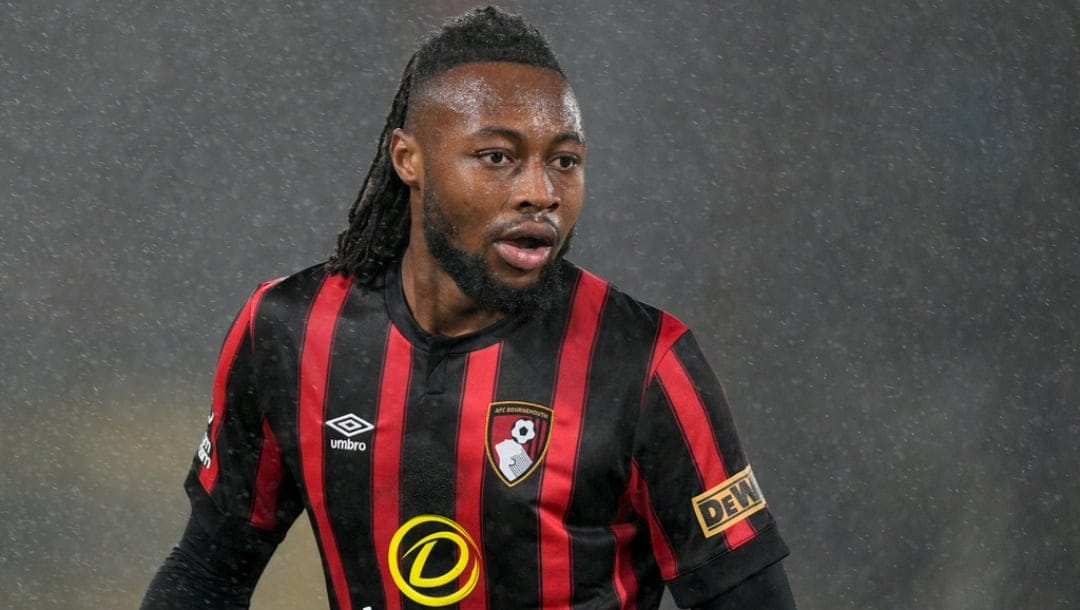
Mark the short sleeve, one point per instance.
(238, 486)
(709, 523)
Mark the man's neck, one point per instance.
(436, 301)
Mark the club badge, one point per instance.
(517, 438)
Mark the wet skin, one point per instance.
(499, 148)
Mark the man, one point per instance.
(468, 418)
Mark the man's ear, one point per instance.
(406, 157)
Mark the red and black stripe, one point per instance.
(556, 566)
(227, 376)
(477, 392)
(313, 378)
(639, 427)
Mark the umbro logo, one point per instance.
(349, 425)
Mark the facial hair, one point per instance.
(472, 275)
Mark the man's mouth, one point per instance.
(527, 246)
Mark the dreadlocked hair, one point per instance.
(377, 231)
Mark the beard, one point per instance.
(474, 277)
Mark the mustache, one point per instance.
(542, 218)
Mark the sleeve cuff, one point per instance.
(232, 530)
(725, 571)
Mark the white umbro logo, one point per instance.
(349, 425)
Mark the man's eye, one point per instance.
(567, 162)
(495, 157)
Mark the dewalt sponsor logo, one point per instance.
(728, 503)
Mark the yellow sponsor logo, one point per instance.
(728, 503)
(424, 535)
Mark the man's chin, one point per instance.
(504, 290)
(537, 290)
(519, 279)
(494, 285)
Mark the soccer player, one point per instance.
(469, 419)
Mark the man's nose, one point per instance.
(533, 188)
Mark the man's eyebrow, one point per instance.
(495, 130)
(506, 132)
(569, 136)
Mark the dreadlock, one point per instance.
(377, 232)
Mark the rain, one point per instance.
(867, 212)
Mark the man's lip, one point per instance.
(527, 245)
(543, 232)
(525, 259)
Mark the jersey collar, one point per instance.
(402, 318)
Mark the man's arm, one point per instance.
(768, 588)
(243, 500)
(202, 572)
(714, 538)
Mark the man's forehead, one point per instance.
(489, 89)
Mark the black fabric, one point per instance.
(725, 572)
(202, 572)
(768, 588)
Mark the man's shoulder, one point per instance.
(291, 295)
(295, 288)
(629, 311)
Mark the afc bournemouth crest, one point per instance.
(517, 438)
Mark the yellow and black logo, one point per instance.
(728, 503)
(437, 554)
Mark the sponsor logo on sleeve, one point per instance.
(206, 448)
(517, 438)
(434, 561)
(728, 503)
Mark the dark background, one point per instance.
(867, 211)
